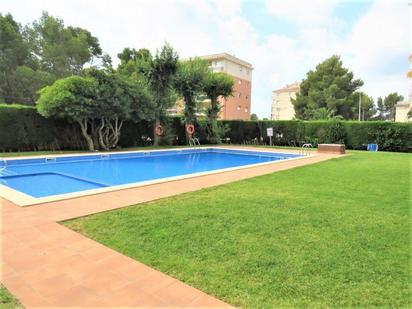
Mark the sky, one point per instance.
(282, 39)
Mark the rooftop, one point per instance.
(225, 56)
(289, 87)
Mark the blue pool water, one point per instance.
(46, 177)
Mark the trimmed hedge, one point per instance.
(23, 129)
(390, 136)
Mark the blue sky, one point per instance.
(283, 39)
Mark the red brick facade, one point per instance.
(238, 105)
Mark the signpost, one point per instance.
(269, 132)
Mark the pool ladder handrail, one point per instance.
(2, 168)
(194, 142)
(305, 150)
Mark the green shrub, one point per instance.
(390, 136)
(23, 129)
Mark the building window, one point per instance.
(240, 68)
(247, 97)
(239, 81)
(239, 107)
(239, 95)
(246, 109)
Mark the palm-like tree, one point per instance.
(217, 85)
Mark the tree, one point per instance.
(216, 86)
(13, 53)
(27, 82)
(160, 77)
(254, 117)
(99, 102)
(72, 98)
(368, 109)
(386, 106)
(189, 83)
(61, 50)
(389, 105)
(117, 100)
(322, 113)
(330, 86)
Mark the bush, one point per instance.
(390, 136)
(23, 129)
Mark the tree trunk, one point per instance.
(87, 137)
(156, 138)
(101, 135)
(190, 116)
(214, 110)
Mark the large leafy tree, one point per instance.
(134, 61)
(217, 86)
(189, 83)
(28, 81)
(61, 50)
(72, 98)
(14, 52)
(34, 57)
(386, 106)
(160, 76)
(118, 99)
(329, 86)
(99, 103)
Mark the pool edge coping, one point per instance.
(25, 200)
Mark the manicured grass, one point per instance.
(7, 301)
(330, 235)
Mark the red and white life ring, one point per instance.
(190, 129)
(159, 130)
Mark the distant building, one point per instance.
(402, 108)
(401, 112)
(237, 106)
(282, 107)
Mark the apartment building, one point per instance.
(282, 107)
(402, 108)
(237, 106)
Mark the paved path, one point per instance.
(44, 264)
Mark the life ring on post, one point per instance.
(159, 130)
(190, 129)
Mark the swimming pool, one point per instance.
(63, 175)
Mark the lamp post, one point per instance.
(360, 104)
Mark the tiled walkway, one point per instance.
(45, 264)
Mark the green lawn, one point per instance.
(330, 235)
(7, 301)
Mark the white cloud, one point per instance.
(378, 40)
(303, 12)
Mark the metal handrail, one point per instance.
(2, 168)
(193, 142)
(305, 150)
